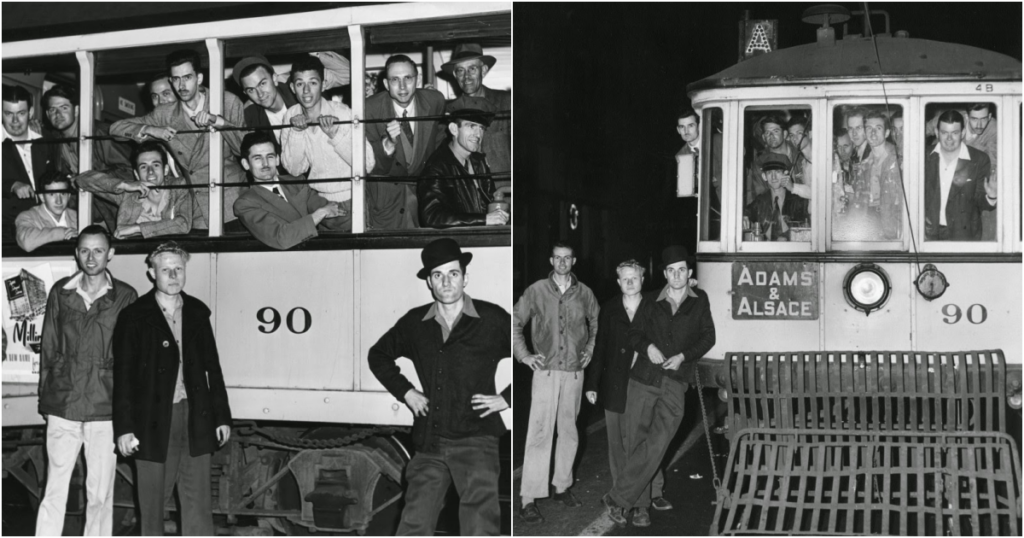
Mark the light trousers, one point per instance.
(555, 403)
(64, 440)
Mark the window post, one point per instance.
(86, 70)
(356, 37)
(216, 49)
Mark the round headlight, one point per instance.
(931, 283)
(867, 287)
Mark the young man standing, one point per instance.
(75, 379)
(171, 407)
(563, 315)
(456, 343)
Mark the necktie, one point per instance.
(277, 191)
(406, 128)
(776, 219)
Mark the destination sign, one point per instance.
(774, 290)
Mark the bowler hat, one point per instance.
(775, 161)
(440, 252)
(467, 51)
(236, 73)
(472, 114)
(675, 254)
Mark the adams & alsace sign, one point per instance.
(774, 290)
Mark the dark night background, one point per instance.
(598, 90)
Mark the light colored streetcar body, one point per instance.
(981, 309)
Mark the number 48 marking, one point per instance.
(986, 88)
(976, 314)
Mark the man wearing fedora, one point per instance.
(401, 146)
(468, 66)
(671, 328)
(563, 316)
(270, 98)
(447, 200)
(455, 343)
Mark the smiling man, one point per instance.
(401, 146)
(562, 314)
(192, 150)
(773, 135)
(314, 143)
(281, 214)
(452, 201)
(143, 208)
(455, 342)
(24, 164)
(171, 405)
(75, 381)
(958, 184)
(468, 66)
(51, 220)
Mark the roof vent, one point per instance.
(826, 15)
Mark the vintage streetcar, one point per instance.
(868, 355)
(293, 327)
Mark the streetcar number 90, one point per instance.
(976, 314)
(298, 320)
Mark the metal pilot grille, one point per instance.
(908, 443)
(818, 482)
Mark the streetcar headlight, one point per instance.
(867, 287)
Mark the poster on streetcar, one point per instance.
(23, 303)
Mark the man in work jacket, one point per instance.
(564, 314)
(75, 379)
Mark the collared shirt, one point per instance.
(24, 150)
(62, 222)
(174, 322)
(280, 191)
(946, 173)
(76, 284)
(450, 371)
(276, 118)
(446, 331)
(664, 296)
(563, 325)
(411, 109)
(200, 105)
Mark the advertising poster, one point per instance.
(23, 303)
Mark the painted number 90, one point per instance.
(976, 314)
(271, 320)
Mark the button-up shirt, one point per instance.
(946, 173)
(563, 325)
(24, 150)
(451, 370)
(174, 322)
(435, 313)
(685, 328)
(76, 284)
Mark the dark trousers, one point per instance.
(654, 413)
(192, 475)
(473, 465)
(620, 437)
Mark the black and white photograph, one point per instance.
(257, 265)
(768, 271)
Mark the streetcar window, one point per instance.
(867, 174)
(710, 172)
(777, 160)
(960, 172)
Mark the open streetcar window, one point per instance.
(960, 172)
(710, 172)
(778, 174)
(867, 176)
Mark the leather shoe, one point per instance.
(641, 518)
(531, 514)
(616, 513)
(567, 498)
(661, 503)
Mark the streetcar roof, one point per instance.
(854, 60)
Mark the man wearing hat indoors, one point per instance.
(270, 98)
(445, 200)
(400, 147)
(777, 208)
(455, 343)
(671, 328)
(468, 66)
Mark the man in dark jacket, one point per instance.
(171, 405)
(75, 377)
(455, 344)
(24, 164)
(448, 201)
(607, 375)
(670, 328)
(958, 184)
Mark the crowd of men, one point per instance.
(867, 174)
(141, 377)
(312, 140)
(629, 355)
